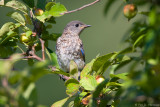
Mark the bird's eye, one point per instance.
(77, 25)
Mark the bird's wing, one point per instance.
(82, 52)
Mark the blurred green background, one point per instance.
(103, 37)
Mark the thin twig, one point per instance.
(87, 5)
(63, 77)
(42, 45)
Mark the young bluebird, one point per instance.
(69, 46)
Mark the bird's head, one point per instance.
(76, 27)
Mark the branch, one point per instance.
(87, 5)
(63, 77)
(42, 45)
(38, 27)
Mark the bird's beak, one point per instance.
(88, 26)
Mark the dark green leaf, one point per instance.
(30, 3)
(17, 5)
(88, 82)
(77, 101)
(96, 93)
(6, 51)
(100, 61)
(41, 4)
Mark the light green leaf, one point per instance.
(53, 57)
(72, 87)
(121, 76)
(17, 5)
(57, 10)
(5, 28)
(17, 16)
(59, 71)
(73, 68)
(138, 41)
(87, 69)
(49, 5)
(60, 103)
(89, 83)
(114, 84)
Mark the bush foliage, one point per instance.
(137, 85)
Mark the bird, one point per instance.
(69, 46)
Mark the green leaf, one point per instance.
(49, 5)
(114, 84)
(73, 68)
(59, 71)
(101, 63)
(53, 57)
(38, 70)
(60, 103)
(121, 76)
(30, 3)
(6, 51)
(138, 41)
(87, 69)
(96, 93)
(5, 28)
(72, 87)
(17, 16)
(77, 100)
(89, 83)
(41, 4)
(17, 5)
(57, 10)
(71, 104)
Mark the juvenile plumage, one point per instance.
(69, 46)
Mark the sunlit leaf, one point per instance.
(88, 82)
(5, 28)
(17, 5)
(49, 5)
(60, 103)
(72, 86)
(87, 69)
(53, 57)
(73, 67)
(17, 16)
(121, 76)
(57, 10)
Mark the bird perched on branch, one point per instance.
(69, 46)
